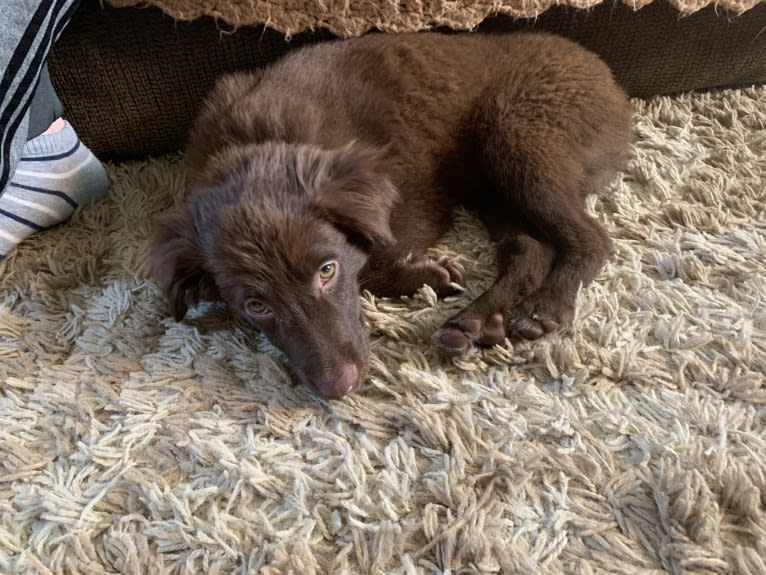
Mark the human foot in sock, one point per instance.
(56, 174)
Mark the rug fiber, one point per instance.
(635, 442)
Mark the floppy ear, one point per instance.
(357, 196)
(177, 262)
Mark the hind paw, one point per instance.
(465, 332)
(538, 316)
(533, 318)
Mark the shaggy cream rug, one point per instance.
(635, 442)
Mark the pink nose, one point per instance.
(344, 381)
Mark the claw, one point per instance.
(451, 340)
(529, 330)
(470, 325)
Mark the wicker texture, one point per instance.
(133, 79)
(355, 18)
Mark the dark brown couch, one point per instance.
(132, 78)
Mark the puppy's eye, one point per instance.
(327, 271)
(256, 307)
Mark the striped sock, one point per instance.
(56, 174)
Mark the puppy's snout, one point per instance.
(344, 381)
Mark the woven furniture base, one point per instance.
(132, 79)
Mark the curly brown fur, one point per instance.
(339, 165)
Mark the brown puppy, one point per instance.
(334, 169)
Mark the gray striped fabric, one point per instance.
(28, 29)
(54, 176)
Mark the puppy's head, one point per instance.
(281, 239)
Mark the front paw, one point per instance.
(441, 275)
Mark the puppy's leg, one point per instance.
(392, 274)
(583, 248)
(422, 217)
(543, 152)
(523, 265)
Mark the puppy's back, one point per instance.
(414, 93)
